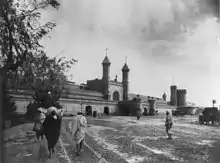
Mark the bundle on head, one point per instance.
(80, 113)
(60, 112)
(53, 113)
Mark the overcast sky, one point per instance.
(166, 42)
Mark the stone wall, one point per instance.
(129, 108)
(21, 105)
(69, 105)
(74, 106)
(96, 85)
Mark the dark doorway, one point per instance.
(116, 96)
(106, 110)
(88, 110)
(145, 111)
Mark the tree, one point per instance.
(213, 103)
(20, 33)
(21, 30)
(44, 74)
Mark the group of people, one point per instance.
(48, 124)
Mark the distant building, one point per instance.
(105, 95)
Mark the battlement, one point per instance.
(182, 91)
(173, 87)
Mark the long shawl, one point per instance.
(79, 126)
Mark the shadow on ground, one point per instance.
(20, 145)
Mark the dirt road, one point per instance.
(123, 139)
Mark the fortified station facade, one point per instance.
(105, 95)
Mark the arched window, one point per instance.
(88, 110)
(116, 96)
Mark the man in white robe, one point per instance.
(78, 131)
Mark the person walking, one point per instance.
(38, 125)
(138, 113)
(79, 131)
(95, 113)
(168, 124)
(51, 127)
(60, 116)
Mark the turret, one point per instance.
(181, 97)
(173, 95)
(125, 71)
(105, 75)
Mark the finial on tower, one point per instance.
(126, 57)
(125, 67)
(106, 51)
(106, 60)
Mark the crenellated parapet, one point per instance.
(173, 87)
(183, 91)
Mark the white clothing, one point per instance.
(79, 128)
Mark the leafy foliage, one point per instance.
(21, 30)
(44, 74)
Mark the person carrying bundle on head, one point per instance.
(138, 113)
(38, 125)
(51, 128)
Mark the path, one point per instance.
(20, 145)
(121, 140)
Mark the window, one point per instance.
(116, 96)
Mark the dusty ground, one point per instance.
(87, 155)
(121, 140)
(20, 146)
(125, 140)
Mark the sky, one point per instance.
(165, 41)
